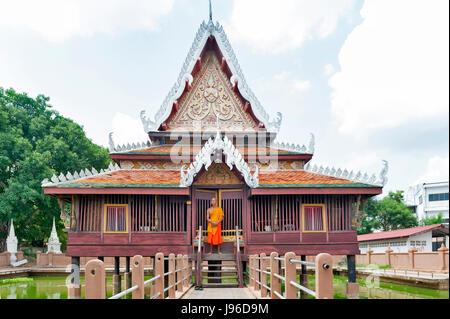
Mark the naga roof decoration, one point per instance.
(356, 177)
(127, 148)
(232, 157)
(296, 147)
(185, 77)
(69, 177)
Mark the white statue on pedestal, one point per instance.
(53, 244)
(11, 244)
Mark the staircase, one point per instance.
(220, 270)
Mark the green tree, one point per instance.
(389, 213)
(36, 142)
(431, 220)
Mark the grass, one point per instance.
(15, 280)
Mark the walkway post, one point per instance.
(352, 285)
(185, 271)
(95, 287)
(137, 276)
(179, 274)
(324, 276)
(256, 272)
(159, 270)
(172, 276)
(263, 280)
(275, 284)
(290, 275)
(74, 288)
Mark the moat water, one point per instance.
(55, 288)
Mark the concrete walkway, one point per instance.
(219, 293)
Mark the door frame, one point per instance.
(218, 189)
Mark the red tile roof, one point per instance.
(171, 178)
(399, 233)
(134, 177)
(300, 177)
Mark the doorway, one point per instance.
(230, 200)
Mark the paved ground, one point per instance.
(220, 293)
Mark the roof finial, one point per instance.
(210, 11)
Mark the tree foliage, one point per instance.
(389, 213)
(36, 142)
(431, 220)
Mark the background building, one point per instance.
(423, 238)
(429, 199)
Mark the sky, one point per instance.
(369, 78)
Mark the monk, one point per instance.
(214, 217)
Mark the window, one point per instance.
(116, 219)
(420, 199)
(438, 197)
(313, 218)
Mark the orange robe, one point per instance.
(215, 232)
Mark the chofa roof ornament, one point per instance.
(232, 157)
(204, 32)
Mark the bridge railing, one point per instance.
(261, 267)
(179, 272)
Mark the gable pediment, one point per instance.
(211, 96)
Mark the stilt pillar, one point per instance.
(74, 288)
(303, 277)
(116, 277)
(127, 274)
(352, 285)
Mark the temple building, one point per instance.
(210, 138)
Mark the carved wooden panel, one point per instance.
(218, 174)
(211, 95)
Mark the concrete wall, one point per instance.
(61, 260)
(412, 260)
(4, 258)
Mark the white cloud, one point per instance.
(301, 86)
(283, 75)
(58, 20)
(127, 129)
(394, 66)
(271, 26)
(437, 170)
(328, 69)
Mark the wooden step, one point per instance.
(221, 285)
(217, 257)
(220, 271)
(219, 278)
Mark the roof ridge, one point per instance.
(296, 147)
(129, 147)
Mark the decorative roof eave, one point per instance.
(185, 77)
(232, 157)
(69, 178)
(355, 177)
(296, 147)
(127, 148)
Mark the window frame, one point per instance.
(324, 215)
(126, 219)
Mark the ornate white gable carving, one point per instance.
(204, 32)
(232, 157)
